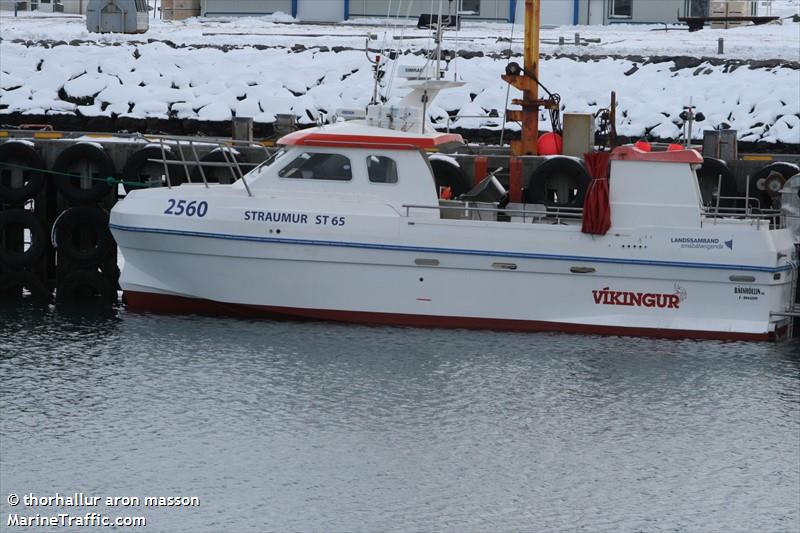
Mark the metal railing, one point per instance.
(175, 145)
(537, 211)
(743, 213)
(751, 211)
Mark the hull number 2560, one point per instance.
(189, 209)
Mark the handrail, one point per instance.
(203, 164)
(183, 160)
(742, 210)
(196, 158)
(576, 213)
(557, 212)
(546, 210)
(166, 142)
(166, 169)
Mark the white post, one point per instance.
(439, 43)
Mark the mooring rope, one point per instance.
(110, 179)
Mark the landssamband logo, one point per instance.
(705, 243)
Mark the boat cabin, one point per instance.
(357, 161)
(655, 188)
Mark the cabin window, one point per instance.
(381, 169)
(317, 166)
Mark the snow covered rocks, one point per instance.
(201, 79)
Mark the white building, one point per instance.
(57, 6)
(554, 12)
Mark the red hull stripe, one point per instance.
(162, 303)
(315, 138)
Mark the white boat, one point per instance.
(346, 224)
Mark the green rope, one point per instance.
(110, 179)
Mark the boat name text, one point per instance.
(293, 218)
(637, 299)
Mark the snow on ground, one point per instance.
(752, 42)
(253, 70)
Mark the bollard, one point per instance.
(721, 46)
(577, 39)
(243, 129)
(561, 41)
(515, 180)
(481, 168)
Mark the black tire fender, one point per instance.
(101, 168)
(25, 220)
(756, 183)
(563, 167)
(93, 221)
(446, 174)
(216, 174)
(139, 169)
(85, 287)
(715, 173)
(20, 154)
(12, 284)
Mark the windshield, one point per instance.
(318, 166)
(268, 161)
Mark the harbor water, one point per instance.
(285, 426)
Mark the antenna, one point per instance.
(689, 117)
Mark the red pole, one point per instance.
(481, 168)
(515, 179)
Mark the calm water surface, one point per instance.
(319, 427)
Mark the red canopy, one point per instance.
(596, 208)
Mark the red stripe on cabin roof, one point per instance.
(631, 153)
(315, 138)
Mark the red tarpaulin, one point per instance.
(596, 208)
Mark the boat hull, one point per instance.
(370, 285)
(386, 252)
(171, 304)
